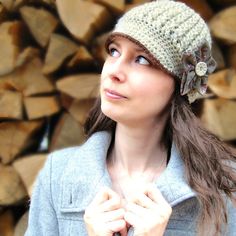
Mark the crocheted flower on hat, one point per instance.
(197, 64)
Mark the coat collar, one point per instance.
(86, 173)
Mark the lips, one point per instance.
(113, 94)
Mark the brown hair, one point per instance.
(208, 161)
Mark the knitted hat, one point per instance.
(176, 38)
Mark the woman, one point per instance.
(148, 166)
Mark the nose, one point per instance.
(117, 70)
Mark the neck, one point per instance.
(139, 150)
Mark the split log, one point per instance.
(4, 84)
(12, 190)
(134, 3)
(49, 3)
(231, 56)
(38, 107)
(117, 7)
(15, 137)
(139, 1)
(8, 4)
(3, 13)
(60, 48)
(10, 45)
(6, 223)
(219, 117)
(66, 101)
(27, 55)
(222, 3)
(83, 19)
(98, 49)
(41, 23)
(79, 109)
(28, 175)
(22, 225)
(202, 7)
(13, 5)
(67, 133)
(222, 25)
(11, 105)
(29, 79)
(218, 56)
(223, 83)
(80, 86)
(82, 58)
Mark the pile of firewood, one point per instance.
(51, 54)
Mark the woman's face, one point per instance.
(132, 90)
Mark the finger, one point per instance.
(154, 194)
(113, 215)
(132, 219)
(111, 204)
(103, 195)
(136, 209)
(123, 232)
(117, 225)
(143, 200)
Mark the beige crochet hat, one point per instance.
(176, 38)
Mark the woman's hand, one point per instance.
(148, 212)
(105, 215)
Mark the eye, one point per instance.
(113, 52)
(142, 60)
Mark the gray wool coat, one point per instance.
(71, 178)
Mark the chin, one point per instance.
(109, 112)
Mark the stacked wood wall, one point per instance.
(51, 55)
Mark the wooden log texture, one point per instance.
(223, 83)
(8, 4)
(12, 190)
(218, 56)
(6, 223)
(41, 23)
(68, 133)
(55, 49)
(200, 6)
(3, 13)
(223, 25)
(28, 175)
(81, 86)
(38, 107)
(82, 58)
(15, 137)
(11, 105)
(10, 45)
(83, 19)
(219, 117)
(98, 50)
(29, 79)
(21, 225)
(60, 48)
(117, 7)
(231, 56)
(79, 109)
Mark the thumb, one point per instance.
(123, 232)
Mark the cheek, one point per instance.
(155, 96)
(155, 90)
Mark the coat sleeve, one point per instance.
(231, 229)
(42, 217)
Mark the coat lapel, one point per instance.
(86, 173)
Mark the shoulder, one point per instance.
(80, 158)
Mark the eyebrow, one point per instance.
(136, 47)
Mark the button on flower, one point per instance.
(197, 65)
